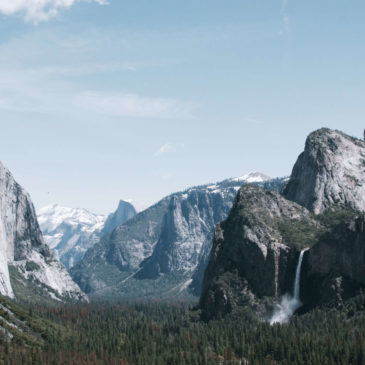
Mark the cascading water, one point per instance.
(288, 304)
(297, 275)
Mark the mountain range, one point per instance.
(162, 251)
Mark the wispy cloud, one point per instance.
(166, 148)
(39, 10)
(81, 70)
(133, 105)
(62, 74)
(286, 19)
(41, 91)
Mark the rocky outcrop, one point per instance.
(253, 254)
(69, 232)
(163, 250)
(23, 251)
(329, 173)
(124, 212)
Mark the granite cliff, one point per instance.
(27, 266)
(329, 173)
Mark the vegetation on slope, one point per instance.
(22, 328)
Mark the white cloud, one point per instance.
(39, 10)
(132, 105)
(167, 147)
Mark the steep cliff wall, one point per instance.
(23, 250)
(329, 173)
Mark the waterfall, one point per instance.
(288, 304)
(297, 275)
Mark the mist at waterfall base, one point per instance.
(289, 304)
(285, 309)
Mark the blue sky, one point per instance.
(137, 99)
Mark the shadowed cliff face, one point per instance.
(329, 173)
(253, 255)
(334, 269)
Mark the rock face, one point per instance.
(23, 251)
(334, 269)
(186, 228)
(163, 250)
(330, 172)
(124, 212)
(330, 176)
(69, 232)
(253, 255)
(255, 251)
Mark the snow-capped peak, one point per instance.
(69, 231)
(252, 177)
(51, 216)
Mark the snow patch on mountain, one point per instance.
(70, 231)
(252, 177)
(52, 216)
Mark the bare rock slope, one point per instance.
(329, 173)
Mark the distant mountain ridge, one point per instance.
(162, 251)
(70, 232)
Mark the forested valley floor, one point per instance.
(171, 333)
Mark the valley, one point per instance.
(248, 270)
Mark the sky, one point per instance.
(107, 100)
